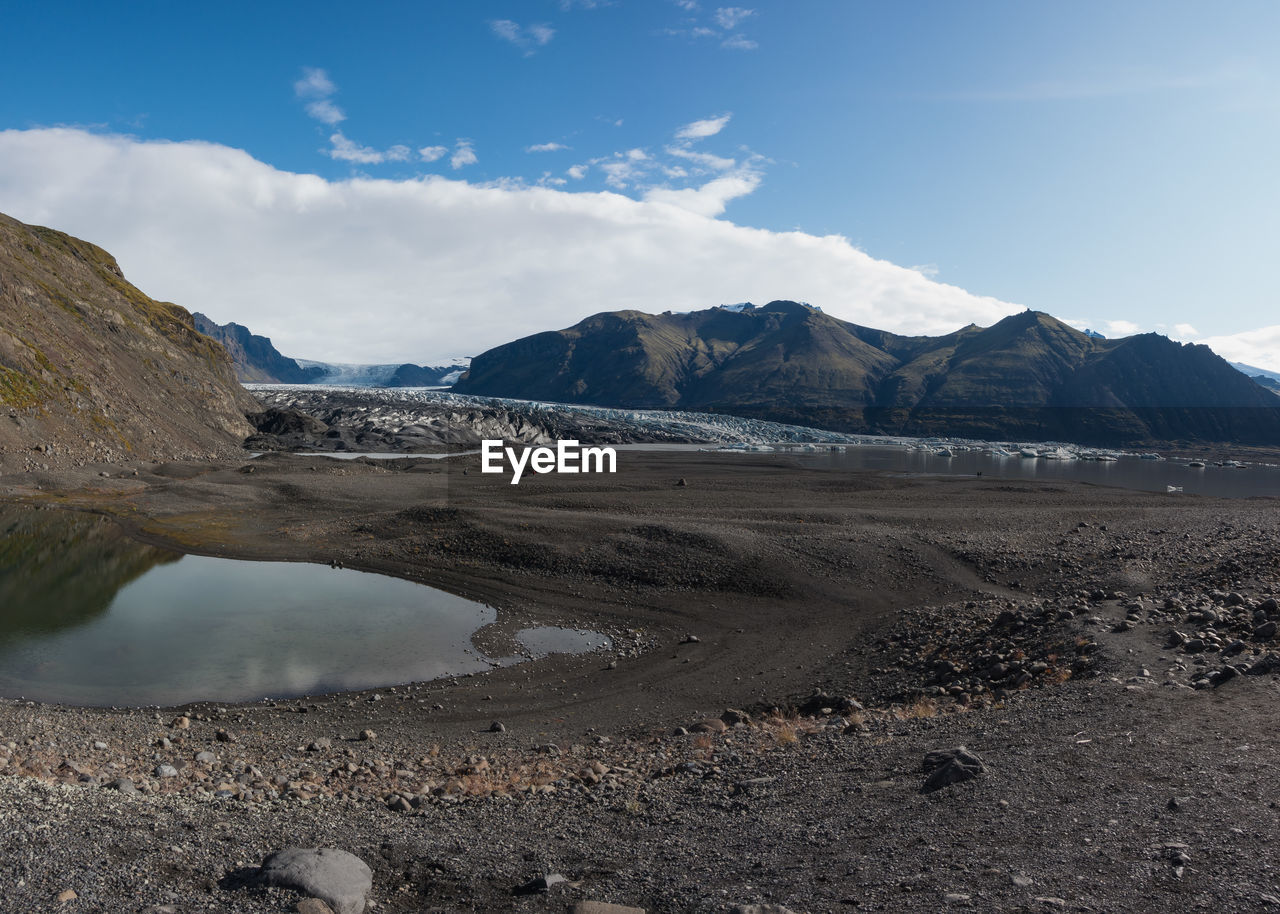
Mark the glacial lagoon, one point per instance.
(89, 616)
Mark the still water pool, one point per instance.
(89, 616)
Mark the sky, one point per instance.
(421, 181)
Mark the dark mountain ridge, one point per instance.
(1029, 375)
(257, 361)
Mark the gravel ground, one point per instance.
(1108, 656)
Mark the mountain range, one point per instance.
(93, 369)
(1027, 376)
(256, 360)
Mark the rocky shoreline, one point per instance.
(1107, 657)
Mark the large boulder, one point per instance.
(339, 879)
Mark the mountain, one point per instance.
(93, 369)
(254, 358)
(1028, 376)
(257, 361)
(1268, 379)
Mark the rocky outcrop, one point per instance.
(92, 369)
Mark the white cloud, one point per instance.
(530, 37)
(346, 150)
(368, 270)
(711, 198)
(464, 153)
(688, 6)
(728, 17)
(577, 172)
(325, 111)
(706, 159)
(1119, 328)
(704, 128)
(432, 153)
(545, 147)
(350, 151)
(1185, 331)
(1259, 348)
(739, 43)
(316, 86)
(314, 83)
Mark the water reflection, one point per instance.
(91, 617)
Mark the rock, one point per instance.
(761, 909)
(399, 804)
(67, 895)
(207, 758)
(124, 785)
(710, 725)
(165, 771)
(682, 482)
(691, 639)
(950, 766)
(497, 727)
(181, 723)
(604, 907)
(733, 717)
(321, 744)
(339, 879)
(313, 906)
(1266, 631)
(99, 745)
(223, 736)
(539, 885)
(367, 735)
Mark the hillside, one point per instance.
(1029, 375)
(92, 369)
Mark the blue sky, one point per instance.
(1111, 163)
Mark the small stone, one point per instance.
(320, 745)
(950, 766)
(691, 639)
(99, 745)
(604, 907)
(497, 727)
(1051, 901)
(540, 885)
(313, 906)
(165, 771)
(223, 736)
(206, 758)
(710, 725)
(181, 723)
(367, 735)
(67, 895)
(1266, 631)
(124, 785)
(399, 804)
(761, 909)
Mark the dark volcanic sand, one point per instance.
(792, 579)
